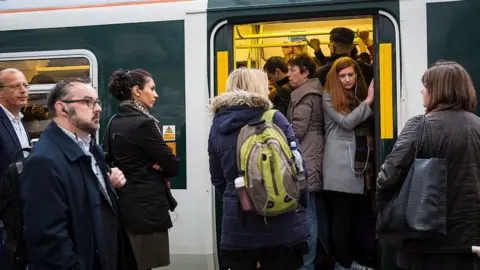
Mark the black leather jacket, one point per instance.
(456, 137)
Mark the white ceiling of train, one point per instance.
(29, 4)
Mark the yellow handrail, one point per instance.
(65, 68)
(292, 34)
(270, 45)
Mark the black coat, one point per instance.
(69, 223)
(456, 137)
(9, 142)
(136, 144)
(282, 97)
(9, 207)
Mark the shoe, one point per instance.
(356, 266)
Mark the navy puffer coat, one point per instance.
(232, 111)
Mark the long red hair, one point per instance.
(334, 87)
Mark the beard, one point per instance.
(86, 126)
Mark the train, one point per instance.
(190, 46)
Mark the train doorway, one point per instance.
(243, 43)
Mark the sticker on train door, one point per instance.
(173, 146)
(169, 133)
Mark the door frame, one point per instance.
(398, 70)
(400, 101)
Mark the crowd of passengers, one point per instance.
(325, 105)
(76, 207)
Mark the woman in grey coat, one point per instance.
(305, 113)
(348, 154)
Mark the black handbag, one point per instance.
(419, 209)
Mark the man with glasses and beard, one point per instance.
(70, 207)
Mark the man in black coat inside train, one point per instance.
(341, 44)
(70, 208)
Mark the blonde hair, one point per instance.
(249, 80)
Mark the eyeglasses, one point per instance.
(16, 86)
(90, 102)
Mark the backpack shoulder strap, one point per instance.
(268, 115)
(21, 150)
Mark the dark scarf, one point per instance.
(275, 87)
(364, 143)
(140, 107)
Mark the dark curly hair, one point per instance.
(122, 81)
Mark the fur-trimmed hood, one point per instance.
(233, 110)
(240, 98)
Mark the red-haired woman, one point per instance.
(348, 154)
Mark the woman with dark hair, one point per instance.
(306, 115)
(348, 155)
(450, 102)
(136, 147)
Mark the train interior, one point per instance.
(255, 43)
(41, 75)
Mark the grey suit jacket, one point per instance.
(339, 155)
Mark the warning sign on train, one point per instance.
(169, 133)
(173, 146)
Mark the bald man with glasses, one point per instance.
(13, 136)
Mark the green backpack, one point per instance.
(266, 162)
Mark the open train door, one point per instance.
(388, 105)
(221, 62)
(386, 64)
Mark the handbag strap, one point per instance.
(107, 131)
(428, 137)
(424, 125)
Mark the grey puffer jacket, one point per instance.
(305, 113)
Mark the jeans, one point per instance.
(309, 259)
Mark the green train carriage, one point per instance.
(190, 47)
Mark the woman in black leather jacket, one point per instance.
(450, 102)
(138, 149)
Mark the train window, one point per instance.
(42, 70)
(50, 71)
